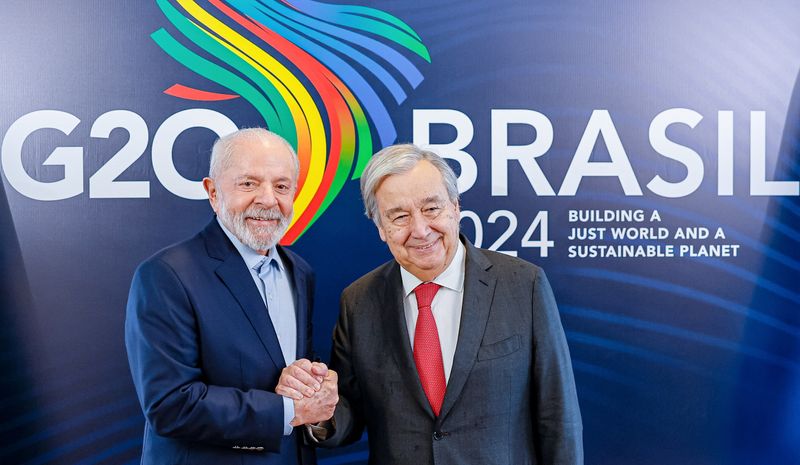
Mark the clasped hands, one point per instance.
(313, 387)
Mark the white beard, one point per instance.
(256, 237)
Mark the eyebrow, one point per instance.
(425, 201)
(431, 199)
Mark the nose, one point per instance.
(419, 226)
(266, 196)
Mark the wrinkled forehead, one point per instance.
(255, 154)
(421, 175)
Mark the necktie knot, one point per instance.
(425, 293)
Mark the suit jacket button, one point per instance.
(437, 435)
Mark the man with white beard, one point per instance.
(213, 320)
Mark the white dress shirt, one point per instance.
(446, 305)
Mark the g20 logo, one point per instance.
(104, 182)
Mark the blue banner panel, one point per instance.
(645, 154)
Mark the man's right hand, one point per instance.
(302, 378)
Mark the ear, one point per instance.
(382, 233)
(211, 190)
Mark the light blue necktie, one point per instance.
(279, 306)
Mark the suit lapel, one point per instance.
(237, 278)
(299, 290)
(396, 331)
(479, 287)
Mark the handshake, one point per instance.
(313, 388)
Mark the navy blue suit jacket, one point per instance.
(205, 358)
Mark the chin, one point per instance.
(432, 256)
(429, 265)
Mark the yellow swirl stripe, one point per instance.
(303, 136)
(310, 129)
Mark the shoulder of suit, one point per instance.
(371, 280)
(178, 255)
(502, 263)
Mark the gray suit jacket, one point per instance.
(511, 394)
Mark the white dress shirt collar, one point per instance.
(452, 277)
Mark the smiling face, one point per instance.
(254, 193)
(418, 221)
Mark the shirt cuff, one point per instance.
(288, 415)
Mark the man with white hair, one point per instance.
(213, 320)
(448, 354)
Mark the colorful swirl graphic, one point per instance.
(314, 72)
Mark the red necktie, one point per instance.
(427, 350)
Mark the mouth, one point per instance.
(427, 247)
(262, 220)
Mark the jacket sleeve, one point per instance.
(348, 417)
(554, 401)
(163, 344)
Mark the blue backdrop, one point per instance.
(578, 130)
